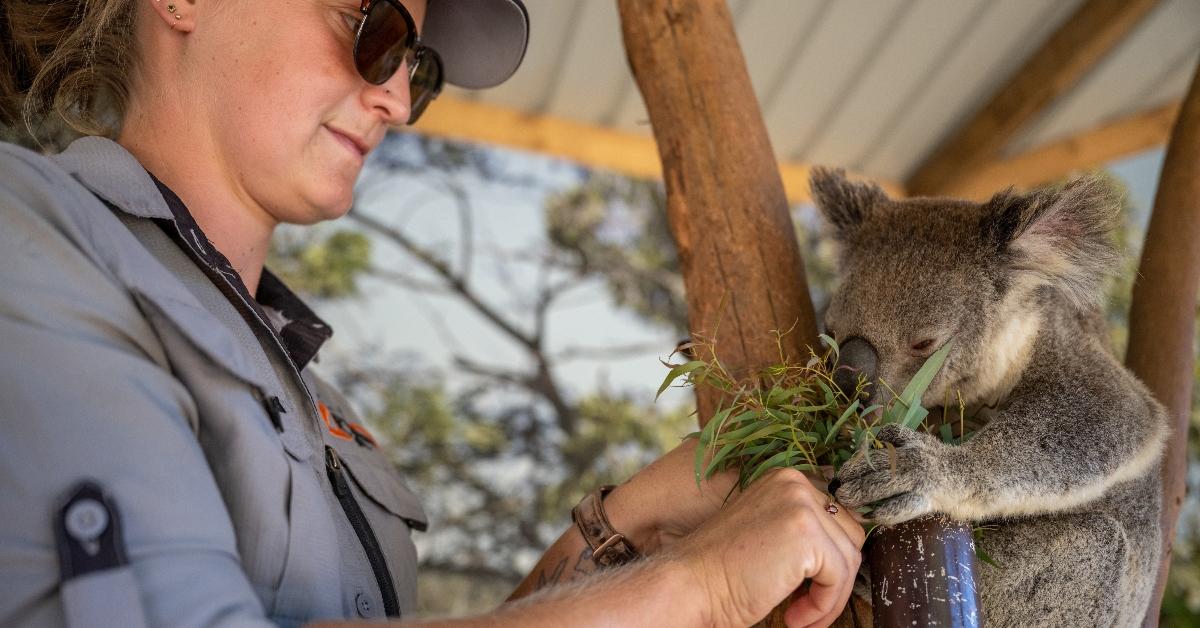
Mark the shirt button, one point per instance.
(363, 603)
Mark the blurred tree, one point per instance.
(501, 460)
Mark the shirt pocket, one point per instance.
(381, 483)
(393, 511)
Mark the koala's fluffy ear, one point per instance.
(846, 204)
(1059, 237)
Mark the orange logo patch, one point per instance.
(344, 429)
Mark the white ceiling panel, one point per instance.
(1174, 84)
(593, 68)
(996, 46)
(874, 86)
(906, 64)
(840, 50)
(773, 34)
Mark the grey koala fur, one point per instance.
(1066, 467)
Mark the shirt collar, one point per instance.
(114, 174)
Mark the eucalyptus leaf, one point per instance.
(677, 372)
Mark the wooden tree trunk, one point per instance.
(725, 199)
(1162, 319)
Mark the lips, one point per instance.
(351, 142)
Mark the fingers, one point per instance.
(851, 524)
(830, 589)
(838, 546)
(835, 541)
(848, 551)
(785, 512)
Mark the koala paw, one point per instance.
(908, 491)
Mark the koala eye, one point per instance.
(923, 345)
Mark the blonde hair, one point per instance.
(68, 62)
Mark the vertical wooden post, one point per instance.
(725, 201)
(1162, 318)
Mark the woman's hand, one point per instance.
(662, 503)
(729, 562)
(764, 544)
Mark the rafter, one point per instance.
(1083, 151)
(1065, 57)
(594, 146)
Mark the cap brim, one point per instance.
(481, 42)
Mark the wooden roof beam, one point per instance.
(1065, 57)
(1056, 160)
(590, 145)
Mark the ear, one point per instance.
(1058, 237)
(845, 204)
(179, 15)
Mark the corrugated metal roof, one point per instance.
(871, 86)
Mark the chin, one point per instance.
(329, 205)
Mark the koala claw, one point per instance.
(900, 508)
(899, 495)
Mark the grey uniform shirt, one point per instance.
(131, 356)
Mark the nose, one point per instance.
(856, 357)
(392, 98)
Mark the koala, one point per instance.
(1065, 470)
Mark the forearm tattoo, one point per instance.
(582, 566)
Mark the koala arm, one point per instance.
(1055, 449)
(1056, 445)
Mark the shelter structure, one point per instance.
(1007, 92)
(927, 97)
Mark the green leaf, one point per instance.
(717, 459)
(779, 415)
(915, 415)
(739, 435)
(841, 421)
(947, 434)
(766, 431)
(776, 395)
(714, 424)
(830, 398)
(832, 344)
(677, 372)
(770, 449)
(757, 449)
(911, 397)
(781, 459)
(803, 409)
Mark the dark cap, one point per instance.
(481, 42)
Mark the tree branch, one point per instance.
(454, 282)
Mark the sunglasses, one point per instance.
(386, 38)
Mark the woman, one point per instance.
(168, 457)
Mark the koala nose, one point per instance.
(856, 357)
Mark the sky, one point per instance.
(429, 329)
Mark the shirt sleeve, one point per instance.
(86, 393)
